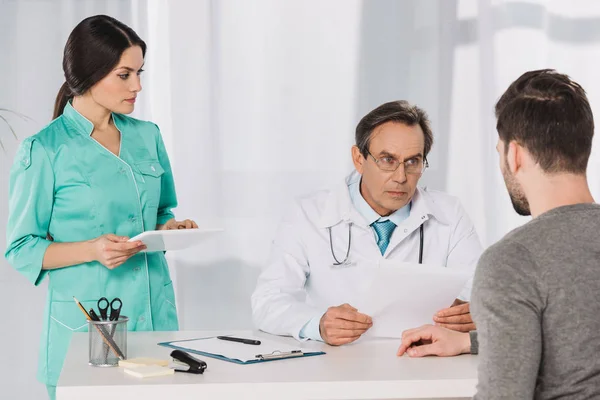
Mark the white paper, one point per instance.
(403, 296)
(234, 350)
(173, 239)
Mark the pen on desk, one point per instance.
(239, 340)
(105, 337)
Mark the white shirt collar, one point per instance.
(370, 215)
(338, 206)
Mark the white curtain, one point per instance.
(258, 101)
(494, 42)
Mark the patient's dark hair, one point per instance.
(548, 114)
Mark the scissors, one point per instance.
(104, 305)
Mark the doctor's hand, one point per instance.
(173, 224)
(430, 340)
(112, 250)
(457, 318)
(343, 324)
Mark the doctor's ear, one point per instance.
(358, 159)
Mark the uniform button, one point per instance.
(136, 269)
(141, 319)
(423, 217)
(406, 230)
(152, 168)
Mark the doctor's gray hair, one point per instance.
(400, 111)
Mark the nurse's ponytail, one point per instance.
(93, 50)
(64, 95)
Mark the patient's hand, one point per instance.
(343, 324)
(430, 340)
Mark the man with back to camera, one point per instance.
(377, 213)
(535, 295)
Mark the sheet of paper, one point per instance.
(404, 296)
(235, 350)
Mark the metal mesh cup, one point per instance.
(107, 342)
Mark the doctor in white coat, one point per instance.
(378, 213)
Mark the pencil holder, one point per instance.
(107, 342)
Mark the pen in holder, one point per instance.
(107, 342)
(111, 333)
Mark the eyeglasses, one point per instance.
(415, 165)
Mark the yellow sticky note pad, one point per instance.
(149, 371)
(142, 361)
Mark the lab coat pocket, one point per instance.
(68, 315)
(167, 312)
(150, 181)
(170, 294)
(65, 318)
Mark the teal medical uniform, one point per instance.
(66, 187)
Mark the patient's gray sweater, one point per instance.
(536, 304)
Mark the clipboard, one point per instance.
(240, 353)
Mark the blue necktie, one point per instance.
(384, 231)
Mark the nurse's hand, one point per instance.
(112, 250)
(172, 224)
(457, 318)
(343, 324)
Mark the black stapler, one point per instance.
(183, 362)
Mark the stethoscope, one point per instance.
(345, 261)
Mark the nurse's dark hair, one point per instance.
(93, 49)
(400, 111)
(550, 115)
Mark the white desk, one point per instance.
(368, 369)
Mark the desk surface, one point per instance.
(366, 369)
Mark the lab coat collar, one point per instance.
(338, 206)
(79, 122)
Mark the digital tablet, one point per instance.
(173, 239)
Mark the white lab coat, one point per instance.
(300, 282)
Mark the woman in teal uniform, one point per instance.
(83, 185)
